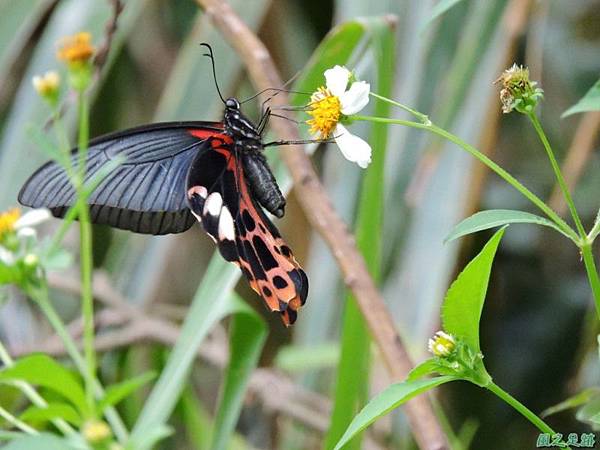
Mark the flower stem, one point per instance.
(40, 296)
(19, 424)
(567, 230)
(32, 394)
(424, 118)
(521, 408)
(85, 232)
(592, 273)
(557, 172)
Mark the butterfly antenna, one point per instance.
(212, 59)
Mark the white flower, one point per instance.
(332, 103)
(33, 218)
(24, 225)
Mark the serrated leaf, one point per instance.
(38, 415)
(492, 218)
(117, 392)
(386, 401)
(427, 367)
(463, 304)
(589, 102)
(43, 371)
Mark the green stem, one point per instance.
(592, 273)
(489, 163)
(19, 424)
(557, 172)
(32, 394)
(40, 296)
(85, 232)
(424, 118)
(521, 408)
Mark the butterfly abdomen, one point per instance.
(263, 184)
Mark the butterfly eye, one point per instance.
(232, 103)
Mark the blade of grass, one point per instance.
(338, 47)
(247, 336)
(353, 371)
(202, 316)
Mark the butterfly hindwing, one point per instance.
(244, 234)
(145, 194)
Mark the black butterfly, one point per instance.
(177, 173)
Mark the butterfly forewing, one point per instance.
(145, 194)
(245, 236)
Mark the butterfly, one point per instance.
(177, 173)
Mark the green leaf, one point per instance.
(203, 314)
(386, 401)
(590, 412)
(9, 274)
(578, 399)
(45, 441)
(427, 367)
(247, 336)
(39, 415)
(589, 102)
(298, 359)
(440, 8)
(44, 371)
(464, 300)
(117, 392)
(336, 48)
(484, 220)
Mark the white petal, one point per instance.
(336, 80)
(33, 218)
(352, 147)
(26, 232)
(355, 98)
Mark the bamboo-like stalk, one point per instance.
(322, 216)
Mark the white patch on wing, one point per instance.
(226, 227)
(213, 205)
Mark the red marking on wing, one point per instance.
(285, 287)
(202, 133)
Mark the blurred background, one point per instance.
(538, 329)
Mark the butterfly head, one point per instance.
(240, 128)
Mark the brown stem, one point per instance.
(111, 28)
(325, 220)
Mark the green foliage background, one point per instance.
(537, 329)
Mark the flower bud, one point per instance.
(31, 260)
(442, 344)
(77, 51)
(47, 86)
(96, 431)
(518, 92)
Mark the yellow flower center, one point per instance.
(325, 110)
(7, 221)
(442, 344)
(76, 49)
